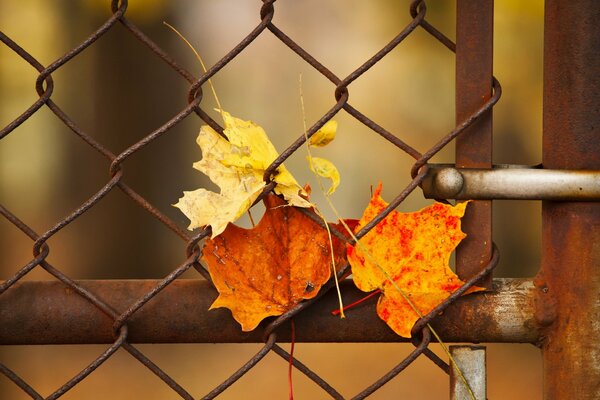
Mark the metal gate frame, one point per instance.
(559, 310)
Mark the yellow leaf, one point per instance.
(204, 207)
(324, 135)
(238, 190)
(237, 166)
(251, 147)
(325, 169)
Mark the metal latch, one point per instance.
(515, 182)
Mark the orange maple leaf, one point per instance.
(267, 270)
(413, 249)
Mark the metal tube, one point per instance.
(474, 59)
(472, 364)
(47, 312)
(569, 280)
(515, 183)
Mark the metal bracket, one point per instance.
(514, 182)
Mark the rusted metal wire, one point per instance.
(20, 382)
(122, 318)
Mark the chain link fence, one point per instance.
(45, 86)
(97, 298)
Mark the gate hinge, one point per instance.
(517, 182)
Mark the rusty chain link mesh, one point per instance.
(421, 335)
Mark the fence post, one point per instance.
(569, 280)
(474, 56)
(474, 68)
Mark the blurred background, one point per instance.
(119, 92)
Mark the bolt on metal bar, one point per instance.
(569, 279)
(472, 363)
(511, 182)
(38, 312)
(474, 62)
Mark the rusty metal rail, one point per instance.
(37, 313)
(557, 311)
(569, 279)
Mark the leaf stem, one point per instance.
(212, 88)
(322, 188)
(251, 219)
(291, 360)
(357, 302)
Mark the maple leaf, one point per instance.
(413, 249)
(267, 270)
(237, 166)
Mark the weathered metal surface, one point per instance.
(474, 56)
(511, 182)
(38, 312)
(569, 280)
(472, 363)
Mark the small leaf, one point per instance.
(325, 169)
(325, 135)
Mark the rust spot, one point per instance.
(545, 304)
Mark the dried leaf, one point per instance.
(321, 166)
(325, 135)
(237, 166)
(414, 250)
(325, 169)
(267, 270)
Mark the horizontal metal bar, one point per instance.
(47, 312)
(511, 182)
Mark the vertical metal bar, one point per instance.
(474, 55)
(471, 361)
(569, 280)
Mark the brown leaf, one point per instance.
(267, 270)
